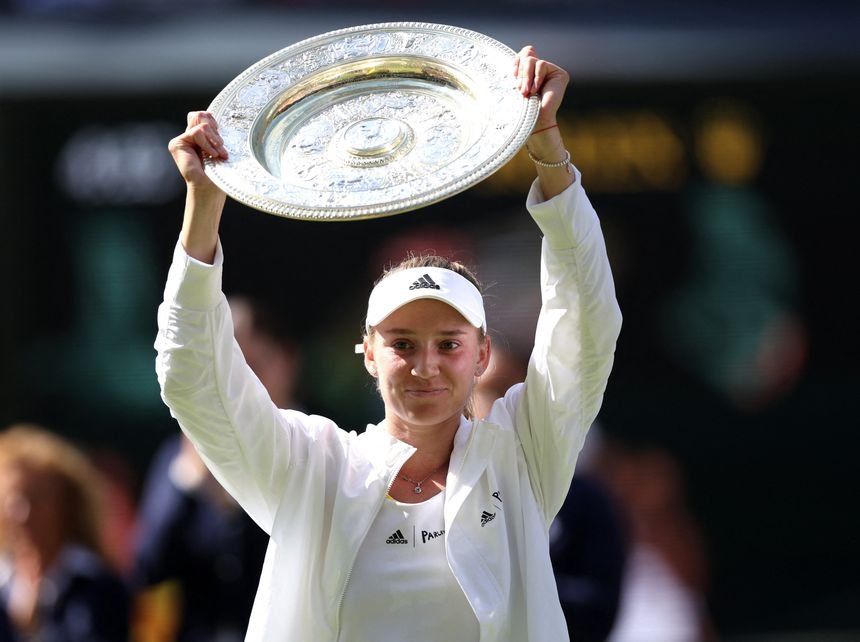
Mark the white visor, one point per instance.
(404, 286)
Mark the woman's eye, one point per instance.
(450, 345)
(400, 345)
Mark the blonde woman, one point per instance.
(55, 585)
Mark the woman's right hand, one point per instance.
(204, 201)
(199, 140)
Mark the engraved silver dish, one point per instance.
(370, 121)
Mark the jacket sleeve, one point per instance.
(211, 391)
(574, 348)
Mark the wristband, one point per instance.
(543, 129)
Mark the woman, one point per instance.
(55, 585)
(429, 525)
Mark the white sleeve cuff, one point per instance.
(193, 284)
(565, 219)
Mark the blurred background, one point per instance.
(718, 142)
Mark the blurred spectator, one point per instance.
(665, 583)
(192, 535)
(55, 583)
(588, 551)
(587, 540)
(120, 489)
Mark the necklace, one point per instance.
(418, 490)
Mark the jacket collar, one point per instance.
(472, 445)
(473, 442)
(387, 453)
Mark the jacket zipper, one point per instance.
(355, 554)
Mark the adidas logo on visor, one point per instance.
(425, 281)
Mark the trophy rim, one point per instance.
(251, 181)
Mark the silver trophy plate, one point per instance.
(370, 121)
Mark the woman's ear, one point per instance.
(369, 362)
(484, 352)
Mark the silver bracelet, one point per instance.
(565, 162)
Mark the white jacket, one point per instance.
(316, 488)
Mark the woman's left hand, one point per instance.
(541, 77)
(549, 81)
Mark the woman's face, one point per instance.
(426, 357)
(31, 507)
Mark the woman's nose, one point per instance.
(425, 364)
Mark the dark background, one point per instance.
(90, 208)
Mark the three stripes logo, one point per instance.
(425, 282)
(486, 518)
(397, 538)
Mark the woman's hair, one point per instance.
(37, 449)
(433, 260)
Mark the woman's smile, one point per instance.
(425, 392)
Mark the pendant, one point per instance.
(417, 490)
